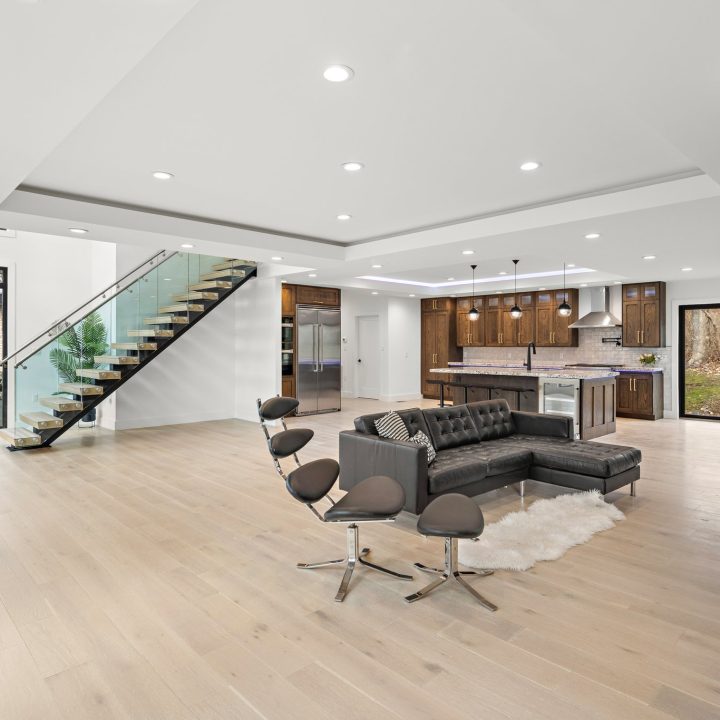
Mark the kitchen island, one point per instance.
(588, 396)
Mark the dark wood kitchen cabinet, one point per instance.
(525, 325)
(500, 326)
(644, 315)
(640, 395)
(551, 329)
(470, 333)
(438, 340)
(309, 295)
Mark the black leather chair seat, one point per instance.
(580, 456)
(312, 481)
(287, 442)
(375, 498)
(455, 467)
(453, 516)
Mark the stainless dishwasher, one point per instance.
(561, 396)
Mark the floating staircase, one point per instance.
(58, 412)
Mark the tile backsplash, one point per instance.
(591, 349)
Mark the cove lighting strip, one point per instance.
(493, 279)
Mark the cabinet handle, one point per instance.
(642, 337)
(638, 336)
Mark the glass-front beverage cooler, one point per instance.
(561, 396)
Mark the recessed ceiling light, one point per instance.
(162, 175)
(450, 279)
(498, 292)
(277, 257)
(411, 295)
(571, 265)
(468, 252)
(167, 279)
(592, 236)
(376, 266)
(352, 166)
(542, 288)
(583, 284)
(312, 275)
(344, 216)
(187, 246)
(283, 281)
(686, 269)
(530, 165)
(618, 282)
(450, 296)
(502, 272)
(338, 73)
(374, 292)
(78, 231)
(649, 257)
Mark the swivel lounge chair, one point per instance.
(375, 499)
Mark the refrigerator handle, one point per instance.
(314, 348)
(320, 348)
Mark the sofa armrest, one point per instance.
(530, 423)
(363, 455)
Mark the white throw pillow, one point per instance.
(391, 426)
(422, 439)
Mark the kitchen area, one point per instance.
(586, 362)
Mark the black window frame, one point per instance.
(681, 359)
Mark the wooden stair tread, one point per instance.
(229, 264)
(41, 420)
(61, 404)
(166, 320)
(81, 388)
(181, 307)
(211, 285)
(20, 437)
(150, 332)
(134, 346)
(117, 360)
(195, 295)
(222, 273)
(99, 374)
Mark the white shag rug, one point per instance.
(546, 531)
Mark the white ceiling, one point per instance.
(617, 100)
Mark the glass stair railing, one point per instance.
(59, 377)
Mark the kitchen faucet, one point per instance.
(528, 364)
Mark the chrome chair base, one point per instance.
(451, 572)
(354, 555)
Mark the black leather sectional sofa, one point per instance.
(480, 447)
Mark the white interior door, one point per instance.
(368, 357)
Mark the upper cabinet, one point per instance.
(288, 299)
(644, 315)
(308, 295)
(551, 329)
(470, 333)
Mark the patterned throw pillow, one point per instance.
(391, 426)
(422, 439)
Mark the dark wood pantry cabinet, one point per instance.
(644, 315)
(438, 340)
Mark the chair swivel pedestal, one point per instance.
(375, 499)
(451, 517)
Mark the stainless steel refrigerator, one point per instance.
(318, 359)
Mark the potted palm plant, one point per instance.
(77, 348)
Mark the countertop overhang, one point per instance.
(567, 374)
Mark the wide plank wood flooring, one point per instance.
(149, 574)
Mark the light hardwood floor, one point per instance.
(149, 574)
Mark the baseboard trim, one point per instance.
(159, 420)
(401, 398)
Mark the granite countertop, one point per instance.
(539, 372)
(563, 368)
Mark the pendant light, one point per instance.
(564, 308)
(474, 313)
(516, 310)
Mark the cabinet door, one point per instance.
(632, 316)
(493, 326)
(526, 326)
(544, 324)
(476, 328)
(288, 299)
(650, 299)
(509, 329)
(442, 335)
(625, 393)
(643, 395)
(428, 350)
(463, 329)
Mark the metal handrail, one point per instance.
(58, 324)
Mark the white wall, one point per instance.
(399, 330)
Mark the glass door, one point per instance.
(699, 361)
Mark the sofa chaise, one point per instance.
(480, 447)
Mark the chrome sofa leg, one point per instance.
(520, 487)
(632, 489)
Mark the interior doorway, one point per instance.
(699, 361)
(368, 357)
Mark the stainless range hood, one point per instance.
(599, 315)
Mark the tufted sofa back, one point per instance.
(413, 419)
(492, 418)
(450, 426)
